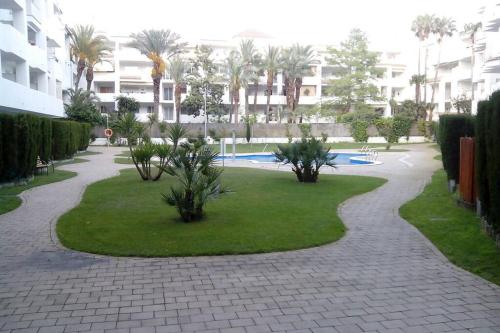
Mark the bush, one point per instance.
(359, 130)
(386, 129)
(451, 128)
(9, 170)
(61, 140)
(488, 158)
(402, 125)
(307, 156)
(45, 148)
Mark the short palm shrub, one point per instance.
(193, 165)
(306, 156)
(143, 156)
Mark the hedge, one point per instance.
(451, 128)
(24, 137)
(488, 158)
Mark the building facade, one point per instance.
(459, 72)
(126, 72)
(34, 58)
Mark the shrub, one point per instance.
(9, 148)
(307, 156)
(28, 131)
(61, 144)
(45, 148)
(402, 125)
(359, 130)
(451, 128)
(385, 127)
(194, 166)
(481, 170)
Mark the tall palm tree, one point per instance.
(442, 28)
(271, 65)
(471, 29)
(155, 44)
(248, 56)
(422, 26)
(178, 69)
(82, 46)
(304, 56)
(97, 54)
(417, 80)
(255, 75)
(288, 64)
(235, 78)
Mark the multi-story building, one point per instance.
(34, 62)
(127, 72)
(457, 76)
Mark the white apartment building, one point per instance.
(127, 72)
(456, 75)
(34, 61)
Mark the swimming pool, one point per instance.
(341, 159)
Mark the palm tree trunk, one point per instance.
(425, 74)
(89, 76)
(156, 95)
(256, 86)
(236, 105)
(435, 80)
(472, 60)
(269, 90)
(246, 102)
(177, 92)
(231, 107)
(298, 85)
(79, 71)
(417, 84)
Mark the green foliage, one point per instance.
(359, 130)
(82, 107)
(127, 104)
(359, 121)
(142, 156)
(462, 104)
(203, 80)
(385, 127)
(249, 121)
(194, 167)
(451, 128)
(306, 156)
(357, 68)
(488, 158)
(24, 137)
(402, 125)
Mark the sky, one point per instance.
(386, 22)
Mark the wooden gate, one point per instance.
(466, 179)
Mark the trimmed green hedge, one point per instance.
(24, 137)
(488, 158)
(451, 128)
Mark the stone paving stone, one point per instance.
(383, 276)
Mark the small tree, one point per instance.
(385, 127)
(306, 156)
(81, 107)
(462, 104)
(194, 166)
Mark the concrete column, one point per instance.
(19, 21)
(22, 74)
(42, 83)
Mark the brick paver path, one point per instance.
(383, 276)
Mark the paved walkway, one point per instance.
(383, 276)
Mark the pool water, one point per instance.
(341, 159)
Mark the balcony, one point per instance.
(19, 98)
(55, 33)
(146, 97)
(12, 4)
(106, 97)
(34, 14)
(37, 57)
(13, 41)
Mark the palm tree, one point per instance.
(248, 56)
(155, 44)
(271, 66)
(443, 27)
(304, 56)
(83, 45)
(471, 29)
(96, 55)
(257, 70)
(422, 26)
(235, 79)
(288, 64)
(417, 80)
(178, 69)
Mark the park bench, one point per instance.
(43, 165)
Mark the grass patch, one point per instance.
(453, 229)
(88, 153)
(269, 211)
(8, 195)
(73, 161)
(123, 160)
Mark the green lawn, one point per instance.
(8, 195)
(87, 153)
(453, 229)
(73, 161)
(268, 211)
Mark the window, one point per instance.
(106, 90)
(33, 79)
(103, 109)
(31, 36)
(9, 70)
(150, 109)
(168, 112)
(168, 93)
(396, 74)
(447, 90)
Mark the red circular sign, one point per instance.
(108, 132)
